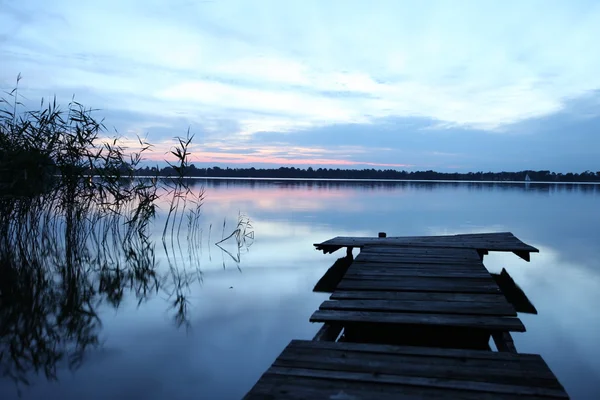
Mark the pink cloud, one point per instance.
(284, 155)
(237, 158)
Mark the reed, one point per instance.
(76, 233)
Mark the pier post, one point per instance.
(328, 333)
(504, 342)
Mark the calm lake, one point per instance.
(246, 299)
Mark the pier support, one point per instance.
(504, 342)
(482, 253)
(349, 251)
(328, 333)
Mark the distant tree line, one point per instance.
(331, 173)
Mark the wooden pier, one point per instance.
(412, 317)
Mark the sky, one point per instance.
(445, 85)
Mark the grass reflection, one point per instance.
(78, 233)
(63, 255)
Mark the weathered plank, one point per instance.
(421, 251)
(333, 275)
(447, 263)
(377, 360)
(418, 381)
(417, 296)
(421, 284)
(360, 272)
(366, 251)
(408, 289)
(416, 351)
(308, 369)
(525, 255)
(422, 266)
(278, 387)
(432, 251)
(434, 281)
(513, 293)
(502, 241)
(450, 264)
(459, 267)
(469, 321)
(420, 306)
(413, 259)
(496, 237)
(516, 372)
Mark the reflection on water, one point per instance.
(237, 320)
(65, 254)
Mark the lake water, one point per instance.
(246, 303)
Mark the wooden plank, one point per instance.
(308, 369)
(504, 241)
(358, 272)
(450, 264)
(525, 255)
(428, 268)
(431, 280)
(467, 321)
(513, 293)
(417, 296)
(434, 307)
(381, 361)
(278, 387)
(328, 332)
(435, 281)
(493, 371)
(420, 284)
(384, 274)
(418, 381)
(374, 258)
(494, 236)
(431, 251)
(386, 270)
(389, 258)
(421, 266)
(476, 245)
(422, 251)
(416, 351)
(437, 251)
(419, 252)
(417, 259)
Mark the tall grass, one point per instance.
(76, 232)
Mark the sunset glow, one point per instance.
(460, 86)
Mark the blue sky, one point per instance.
(445, 85)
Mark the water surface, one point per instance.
(245, 304)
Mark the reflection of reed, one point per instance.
(66, 252)
(48, 302)
(75, 229)
(243, 234)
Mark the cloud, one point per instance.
(262, 155)
(234, 71)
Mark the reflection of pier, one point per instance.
(412, 317)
